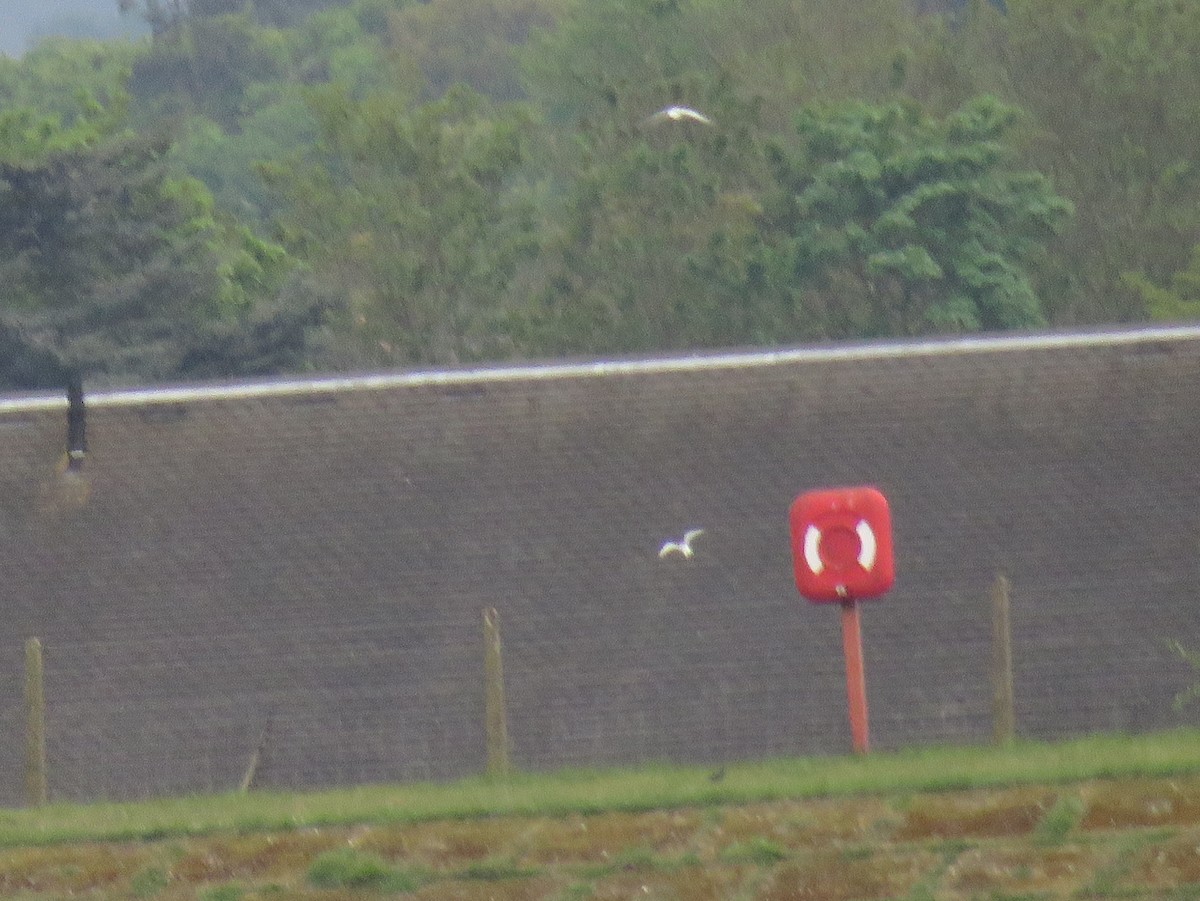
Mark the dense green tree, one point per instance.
(475, 42)
(206, 65)
(342, 45)
(114, 268)
(628, 202)
(26, 134)
(227, 163)
(747, 231)
(161, 15)
(910, 224)
(1111, 89)
(652, 243)
(614, 61)
(878, 220)
(850, 184)
(68, 80)
(406, 213)
(1180, 300)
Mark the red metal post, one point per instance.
(856, 682)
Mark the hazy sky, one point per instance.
(25, 22)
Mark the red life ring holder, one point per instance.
(842, 544)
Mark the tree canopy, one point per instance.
(911, 224)
(263, 187)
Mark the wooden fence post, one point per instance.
(35, 725)
(497, 718)
(1003, 715)
(256, 757)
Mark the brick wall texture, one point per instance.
(317, 556)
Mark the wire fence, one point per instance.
(357, 704)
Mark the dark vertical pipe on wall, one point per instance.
(76, 423)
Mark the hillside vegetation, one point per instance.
(263, 186)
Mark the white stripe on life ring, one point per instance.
(866, 542)
(812, 549)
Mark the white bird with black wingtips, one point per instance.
(680, 114)
(683, 548)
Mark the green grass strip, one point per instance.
(585, 791)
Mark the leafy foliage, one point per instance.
(116, 267)
(379, 182)
(909, 224)
(405, 211)
(1179, 301)
(1111, 89)
(473, 42)
(68, 80)
(206, 65)
(878, 220)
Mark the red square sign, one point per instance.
(842, 544)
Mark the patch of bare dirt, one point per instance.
(976, 814)
(1121, 804)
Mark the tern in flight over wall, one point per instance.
(679, 114)
(683, 548)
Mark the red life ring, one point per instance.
(868, 547)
